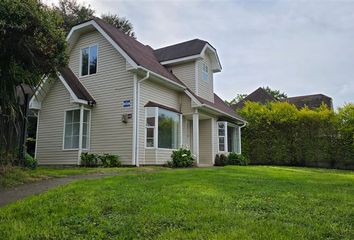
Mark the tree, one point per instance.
(239, 97)
(119, 22)
(73, 13)
(275, 93)
(32, 46)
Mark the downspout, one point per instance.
(137, 118)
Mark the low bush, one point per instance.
(181, 158)
(89, 160)
(237, 159)
(110, 160)
(30, 162)
(220, 160)
(96, 160)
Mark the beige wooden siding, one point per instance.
(205, 88)
(51, 124)
(186, 104)
(150, 91)
(186, 73)
(109, 86)
(205, 142)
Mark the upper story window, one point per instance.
(89, 60)
(205, 72)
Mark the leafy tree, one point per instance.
(119, 22)
(73, 13)
(32, 46)
(278, 95)
(239, 97)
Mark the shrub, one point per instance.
(89, 160)
(110, 160)
(30, 162)
(181, 158)
(220, 160)
(237, 159)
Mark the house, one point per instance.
(311, 101)
(122, 97)
(262, 96)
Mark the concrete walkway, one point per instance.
(28, 189)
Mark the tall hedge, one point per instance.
(279, 134)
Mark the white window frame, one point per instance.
(225, 136)
(156, 129)
(155, 109)
(88, 73)
(205, 72)
(88, 130)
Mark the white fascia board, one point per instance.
(207, 46)
(72, 94)
(162, 77)
(194, 99)
(222, 112)
(184, 59)
(106, 36)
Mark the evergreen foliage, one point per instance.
(280, 134)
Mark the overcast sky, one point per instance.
(299, 47)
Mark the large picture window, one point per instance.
(162, 128)
(89, 60)
(72, 129)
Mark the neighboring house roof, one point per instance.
(260, 95)
(180, 50)
(311, 101)
(141, 54)
(76, 86)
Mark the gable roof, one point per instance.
(180, 50)
(259, 95)
(311, 101)
(76, 86)
(141, 54)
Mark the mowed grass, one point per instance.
(253, 202)
(13, 176)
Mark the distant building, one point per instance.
(262, 96)
(311, 101)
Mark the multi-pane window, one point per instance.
(162, 128)
(150, 126)
(205, 72)
(222, 136)
(72, 129)
(89, 60)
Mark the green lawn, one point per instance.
(14, 176)
(253, 202)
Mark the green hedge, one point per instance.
(280, 134)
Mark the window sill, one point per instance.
(88, 75)
(74, 149)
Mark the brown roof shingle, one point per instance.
(141, 54)
(260, 95)
(180, 50)
(75, 85)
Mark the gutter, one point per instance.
(137, 104)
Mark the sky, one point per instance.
(298, 47)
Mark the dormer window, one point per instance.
(89, 60)
(205, 72)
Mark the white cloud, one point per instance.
(300, 47)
